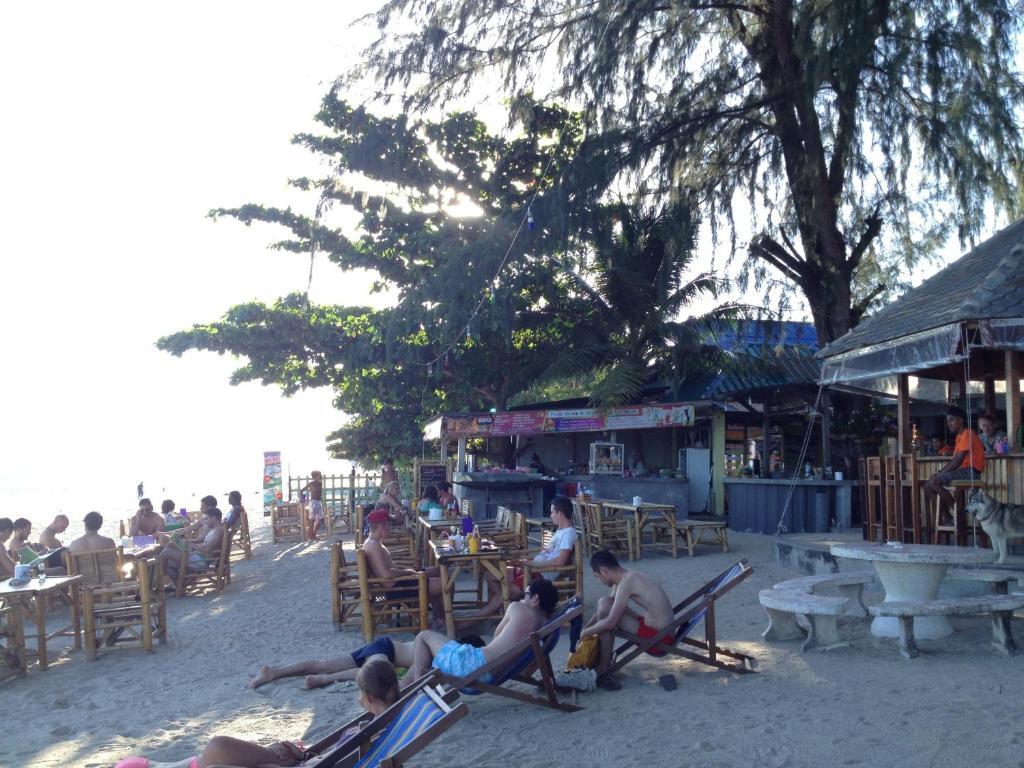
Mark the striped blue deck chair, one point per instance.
(698, 607)
(527, 662)
(421, 714)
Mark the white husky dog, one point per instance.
(1001, 521)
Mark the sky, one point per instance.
(124, 124)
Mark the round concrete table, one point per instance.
(912, 573)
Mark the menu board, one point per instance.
(429, 473)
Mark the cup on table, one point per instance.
(126, 541)
(637, 501)
(22, 571)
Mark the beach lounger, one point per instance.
(422, 713)
(523, 662)
(698, 607)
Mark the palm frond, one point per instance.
(619, 384)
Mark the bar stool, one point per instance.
(893, 500)
(874, 509)
(957, 527)
(910, 498)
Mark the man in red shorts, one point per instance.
(613, 612)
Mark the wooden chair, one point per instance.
(698, 607)
(507, 530)
(211, 578)
(239, 536)
(97, 568)
(422, 713)
(528, 662)
(609, 531)
(346, 598)
(874, 509)
(127, 610)
(286, 523)
(12, 644)
(953, 527)
(567, 579)
(384, 607)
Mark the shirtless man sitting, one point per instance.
(146, 522)
(48, 537)
(198, 554)
(433, 649)
(6, 563)
(91, 541)
(383, 567)
(19, 539)
(428, 649)
(613, 612)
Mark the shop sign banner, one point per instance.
(271, 480)
(568, 420)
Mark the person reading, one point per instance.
(614, 611)
(429, 648)
(378, 690)
(195, 556)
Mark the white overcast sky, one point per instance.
(124, 123)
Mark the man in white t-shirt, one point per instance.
(557, 553)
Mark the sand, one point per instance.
(955, 705)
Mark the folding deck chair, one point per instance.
(422, 713)
(523, 661)
(698, 607)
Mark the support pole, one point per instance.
(990, 394)
(826, 429)
(1012, 397)
(460, 464)
(718, 461)
(905, 434)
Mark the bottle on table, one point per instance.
(474, 541)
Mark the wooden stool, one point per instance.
(910, 498)
(956, 528)
(893, 495)
(874, 510)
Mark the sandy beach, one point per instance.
(955, 705)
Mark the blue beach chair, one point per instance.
(698, 607)
(421, 714)
(528, 662)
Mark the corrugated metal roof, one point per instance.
(987, 282)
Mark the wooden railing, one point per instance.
(1003, 475)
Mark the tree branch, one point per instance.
(874, 226)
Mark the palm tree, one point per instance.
(639, 285)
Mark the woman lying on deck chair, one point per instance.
(378, 690)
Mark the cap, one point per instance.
(379, 515)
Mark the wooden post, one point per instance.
(444, 448)
(460, 464)
(905, 433)
(990, 394)
(1012, 397)
(766, 458)
(826, 429)
(718, 461)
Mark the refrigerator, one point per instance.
(696, 462)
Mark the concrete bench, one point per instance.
(848, 585)
(1001, 608)
(819, 613)
(1000, 580)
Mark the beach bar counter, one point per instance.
(816, 506)
(653, 451)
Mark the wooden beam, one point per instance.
(905, 434)
(718, 461)
(1012, 397)
(990, 394)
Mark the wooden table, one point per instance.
(490, 558)
(695, 530)
(911, 573)
(428, 531)
(21, 598)
(643, 514)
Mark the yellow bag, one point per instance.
(586, 655)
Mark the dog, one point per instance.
(1001, 521)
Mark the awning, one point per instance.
(906, 354)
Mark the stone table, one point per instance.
(912, 573)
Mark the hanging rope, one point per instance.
(782, 527)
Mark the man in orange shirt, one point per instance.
(966, 463)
